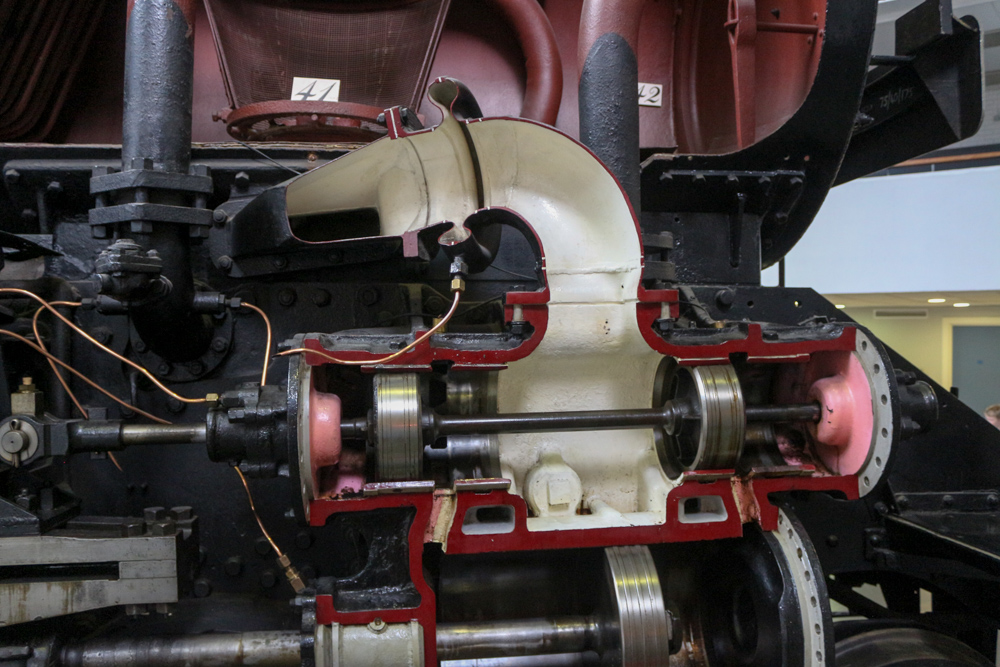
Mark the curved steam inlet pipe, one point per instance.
(609, 82)
(543, 88)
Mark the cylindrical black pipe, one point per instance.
(261, 649)
(159, 85)
(609, 87)
(170, 326)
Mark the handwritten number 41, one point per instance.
(307, 93)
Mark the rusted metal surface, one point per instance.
(293, 120)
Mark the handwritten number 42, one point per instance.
(307, 93)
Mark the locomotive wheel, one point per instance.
(762, 601)
(906, 647)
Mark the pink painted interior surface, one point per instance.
(842, 439)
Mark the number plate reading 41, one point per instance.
(650, 95)
(306, 89)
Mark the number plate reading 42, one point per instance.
(306, 89)
(650, 95)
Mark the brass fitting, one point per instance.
(457, 284)
(291, 574)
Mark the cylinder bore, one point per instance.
(711, 435)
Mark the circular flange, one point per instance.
(641, 635)
(882, 381)
(712, 437)
(399, 446)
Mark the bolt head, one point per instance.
(163, 368)
(12, 175)
(233, 566)
(242, 179)
(154, 513)
(202, 588)
(262, 546)
(303, 540)
(220, 345)
(219, 216)
(268, 579)
(225, 262)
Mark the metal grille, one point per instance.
(380, 51)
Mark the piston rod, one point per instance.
(260, 649)
(436, 425)
(100, 436)
(455, 641)
(501, 639)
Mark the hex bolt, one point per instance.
(947, 501)
(832, 541)
(220, 345)
(262, 546)
(875, 540)
(881, 508)
(163, 368)
(224, 262)
(219, 217)
(12, 176)
(103, 335)
(151, 514)
(195, 367)
(993, 500)
(242, 179)
(233, 566)
(139, 346)
(268, 579)
(303, 540)
(175, 406)
(164, 527)
(182, 512)
(202, 588)
(279, 262)
(132, 528)
(369, 296)
(54, 187)
(902, 502)
(725, 298)
(287, 296)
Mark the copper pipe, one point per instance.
(543, 88)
